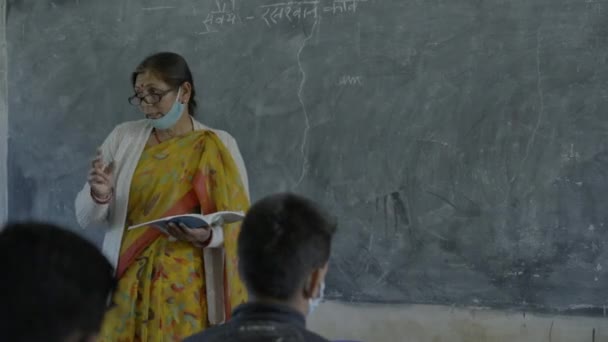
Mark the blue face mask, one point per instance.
(313, 303)
(171, 117)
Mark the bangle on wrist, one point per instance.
(205, 243)
(102, 200)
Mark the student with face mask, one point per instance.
(283, 252)
(169, 287)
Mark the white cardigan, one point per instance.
(124, 146)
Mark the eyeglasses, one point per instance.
(151, 98)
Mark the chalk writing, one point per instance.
(570, 154)
(298, 10)
(225, 14)
(222, 15)
(290, 11)
(342, 6)
(595, 5)
(348, 80)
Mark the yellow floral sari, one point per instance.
(161, 294)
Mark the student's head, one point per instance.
(284, 248)
(55, 285)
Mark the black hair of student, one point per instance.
(170, 68)
(54, 284)
(283, 238)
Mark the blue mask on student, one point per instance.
(171, 117)
(313, 303)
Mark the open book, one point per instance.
(193, 220)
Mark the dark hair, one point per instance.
(172, 69)
(54, 284)
(283, 238)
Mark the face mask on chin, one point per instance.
(171, 117)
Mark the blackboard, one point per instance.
(461, 144)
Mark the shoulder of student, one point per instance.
(314, 337)
(208, 335)
(220, 332)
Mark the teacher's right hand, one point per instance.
(101, 178)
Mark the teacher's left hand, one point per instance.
(197, 236)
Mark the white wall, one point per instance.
(426, 323)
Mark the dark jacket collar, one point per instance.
(268, 312)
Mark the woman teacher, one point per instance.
(170, 287)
